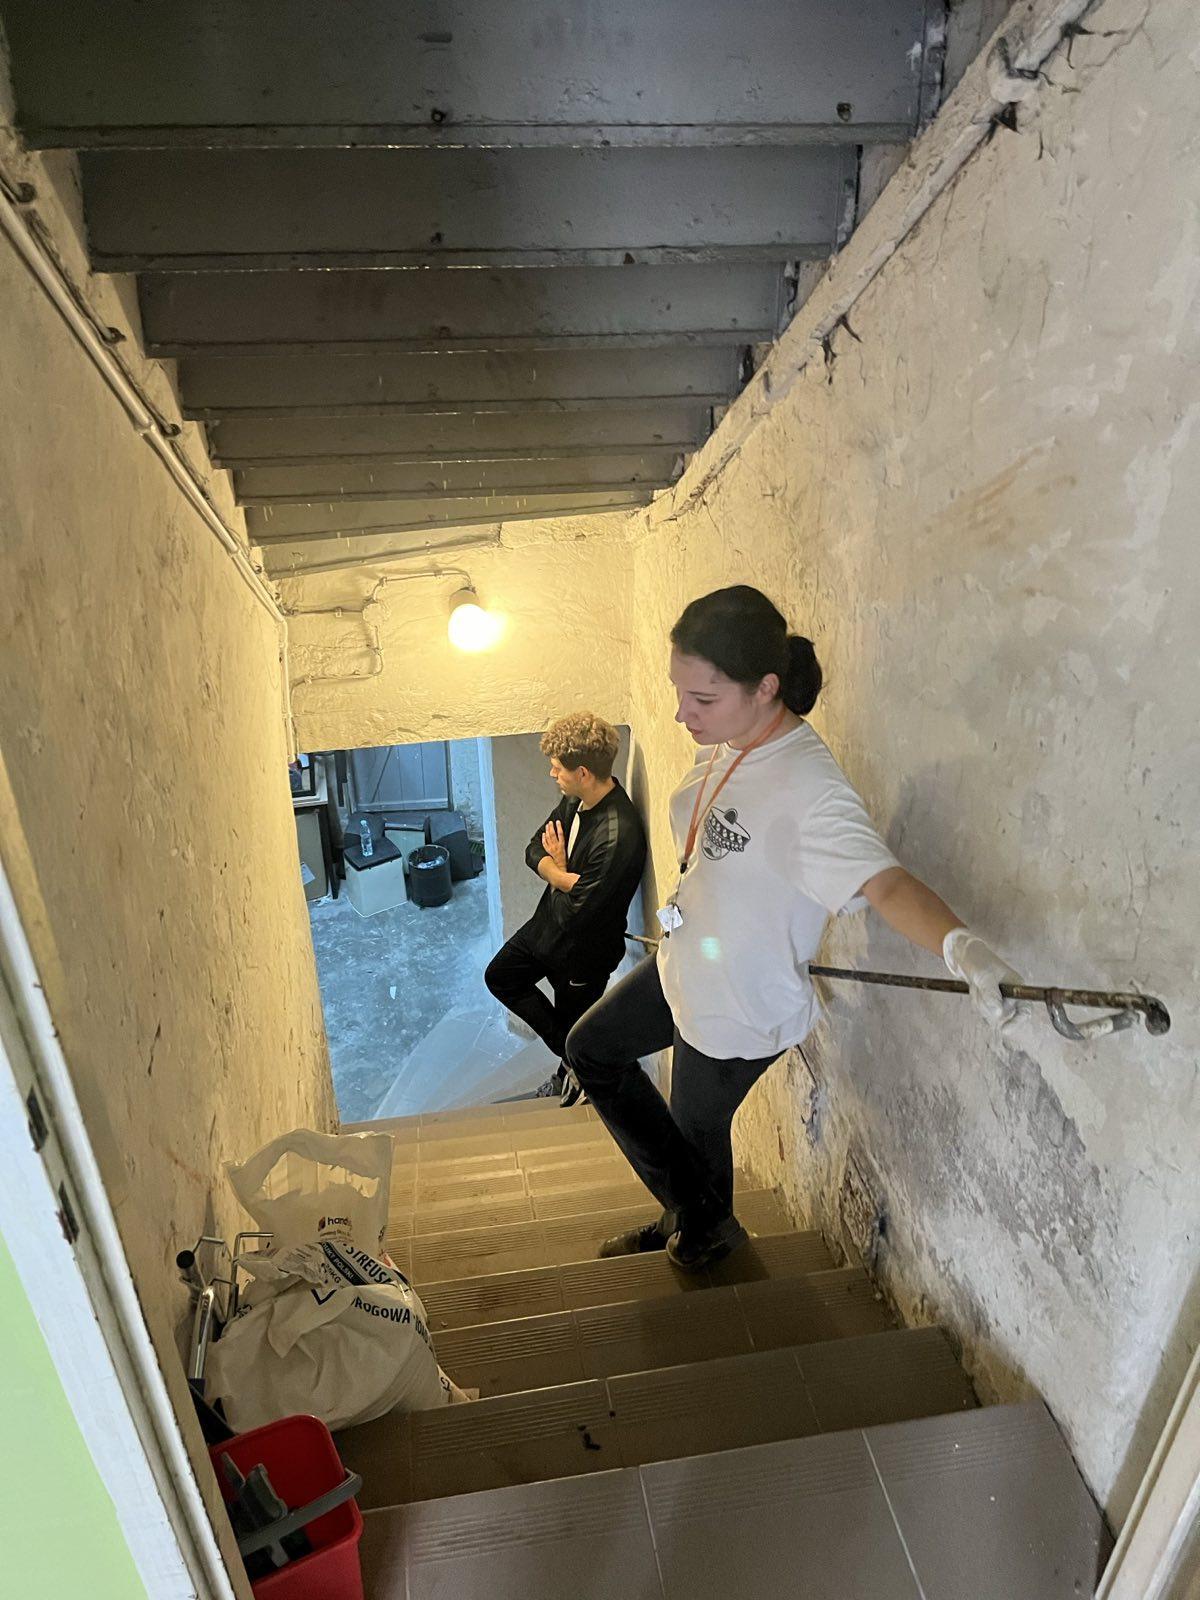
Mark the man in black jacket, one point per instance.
(591, 852)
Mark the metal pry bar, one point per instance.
(1130, 1007)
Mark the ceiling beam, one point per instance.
(486, 493)
(458, 309)
(384, 385)
(294, 561)
(262, 209)
(299, 485)
(304, 486)
(484, 436)
(465, 72)
(267, 525)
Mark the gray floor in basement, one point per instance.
(411, 1026)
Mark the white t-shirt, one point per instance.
(787, 844)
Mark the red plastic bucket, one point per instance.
(302, 1462)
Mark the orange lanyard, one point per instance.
(694, 825)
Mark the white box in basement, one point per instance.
(375, 883)
(405, 839)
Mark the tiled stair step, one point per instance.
(547, 1172)
(556, 1148)
(984, 1503)
(554, 1136)
(466, 1251)
(635, 1335)
(538, 1291)
(598, 1161)
(469, 1180)
(525, 1117)
(519, 1205)
(412, 1163)
(498, 1111)
(657, 1415)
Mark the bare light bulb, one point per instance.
(471, 628)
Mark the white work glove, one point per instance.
(978, 965)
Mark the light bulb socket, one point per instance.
(469, 626)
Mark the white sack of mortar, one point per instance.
(331, 1331)
(329, 1326)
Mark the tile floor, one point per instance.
(979, 1503)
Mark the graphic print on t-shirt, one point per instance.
(723, 833)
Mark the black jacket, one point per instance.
(583, 928)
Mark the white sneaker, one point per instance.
(572, 1090)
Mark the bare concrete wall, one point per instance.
(141, 729)
(525, 794)
(984, 511)
(466, 784)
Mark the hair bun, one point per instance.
(802, 678)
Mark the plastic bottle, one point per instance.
(366, 844)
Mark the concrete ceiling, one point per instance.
(444, 263)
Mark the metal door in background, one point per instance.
(400, 777)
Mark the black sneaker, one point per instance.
(692, 1252)
(634, 1241)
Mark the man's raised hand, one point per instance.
(555, 845)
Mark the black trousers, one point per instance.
(682, 1153)
(513, 975)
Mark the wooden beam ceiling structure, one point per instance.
(446, 263)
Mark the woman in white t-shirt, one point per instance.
(771, 841)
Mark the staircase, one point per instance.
(761, 1430)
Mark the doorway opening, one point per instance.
(400, 860)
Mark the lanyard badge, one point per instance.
(670, 917)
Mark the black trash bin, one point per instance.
(429, 876)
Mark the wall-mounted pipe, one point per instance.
(380, 583)
(375, 645)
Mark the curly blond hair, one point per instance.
(582, 740)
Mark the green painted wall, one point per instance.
(59, 1534)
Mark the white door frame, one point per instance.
(59, 1227)
(1158, 1554)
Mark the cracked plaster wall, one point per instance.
(984, 513)
(142, 735)
(562, 591)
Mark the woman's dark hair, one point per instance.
(744, 636)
